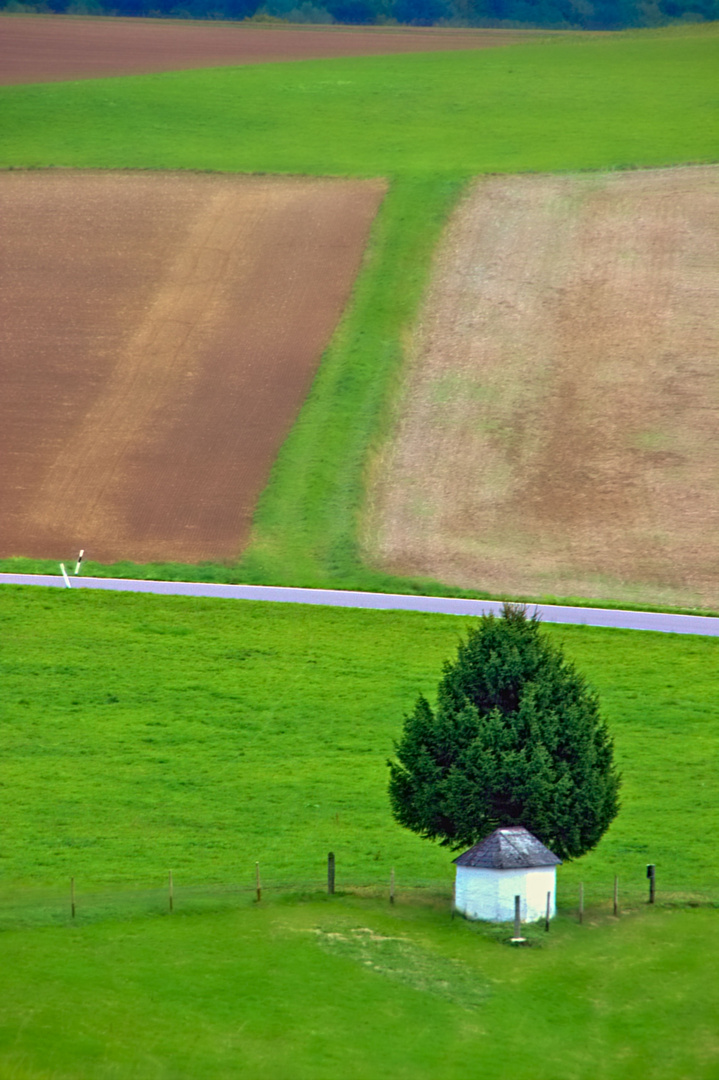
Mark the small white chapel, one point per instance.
(511, 862)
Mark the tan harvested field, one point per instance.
(559, 431)
(53, 48)
(158, 334)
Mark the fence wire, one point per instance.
(54, 906)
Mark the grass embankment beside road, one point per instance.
(428, 122)
(142, 734)
(314, 989)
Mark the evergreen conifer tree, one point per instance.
(516, 738)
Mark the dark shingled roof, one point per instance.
(508, 849)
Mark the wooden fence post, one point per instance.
(331, 873)
(549, 911)
(581, 902)
(72, 897)
(258, 882)
(651, 874)
(517, 920)
(169, 890)
(616, 896)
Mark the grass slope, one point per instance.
(427, 122)
(141, 733)
(314, 990)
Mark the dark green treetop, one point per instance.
(516, 739)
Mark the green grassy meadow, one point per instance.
(143, 733)
(576, 102)
(427, 122)
(313, 990)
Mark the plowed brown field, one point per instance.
(560, 428)
(47, 49)
(158, 334)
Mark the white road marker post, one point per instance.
(80, 557)
(64, 574)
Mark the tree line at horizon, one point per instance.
(509, 14)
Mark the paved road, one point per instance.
(629, 620)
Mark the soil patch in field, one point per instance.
(48, 49)
(559, 431)
(158, 335)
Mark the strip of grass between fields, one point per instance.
(307, 520)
